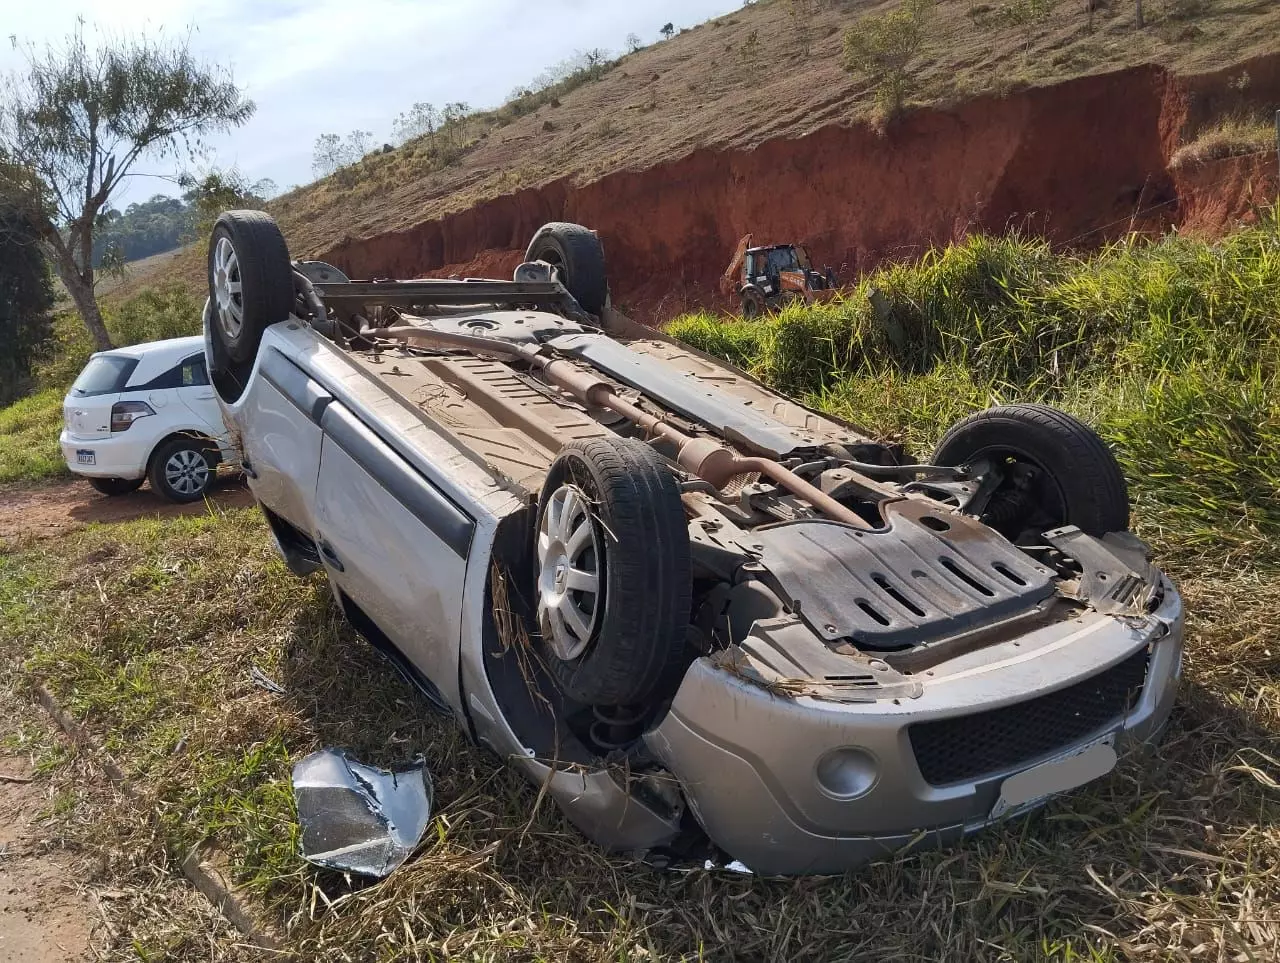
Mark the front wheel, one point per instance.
(613, 565)
(754, 304)
(182, 470)
(1056, 470)
(115, 486)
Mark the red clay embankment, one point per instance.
(1079, 162)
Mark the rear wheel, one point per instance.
(613, 565)
(250, 282)
(182, 469)
(1057, 470)
(116, 486)
(577, 254)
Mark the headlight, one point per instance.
(125, 413)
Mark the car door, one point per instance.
(394, 543)
(196, 394)
(279, 420)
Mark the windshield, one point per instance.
(782, 259)
(104, 375)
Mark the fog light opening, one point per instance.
(846, 773)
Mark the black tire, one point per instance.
(579, 256)
(754, 304)
(645, 570)
(116, 486)
(173, 487)
(264, 274)
(1079, 482)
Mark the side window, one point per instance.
(194, 372)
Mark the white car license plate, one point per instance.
(1057, 775)
(86, 456)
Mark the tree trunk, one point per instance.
(82, 294)
(1141, 20)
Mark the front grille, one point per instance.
(969, 747)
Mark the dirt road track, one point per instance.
(49, 510)
(44, 918)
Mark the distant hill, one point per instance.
(143, 229)
(722, 120)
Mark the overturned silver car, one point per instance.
(680, 601)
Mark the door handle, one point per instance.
(329, 554)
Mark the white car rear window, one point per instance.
(104, 375)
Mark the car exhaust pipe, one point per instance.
(706, 458)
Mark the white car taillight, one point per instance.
(125, 413)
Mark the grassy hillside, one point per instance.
(1171, 348)
(149, 632)
(714, 86)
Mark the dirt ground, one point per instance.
(48, 510)
(43, 916)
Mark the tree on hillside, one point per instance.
(331, 152)
(1025, 15)
(667, 30)
(77, 119)
(140, 230)
(26, 297)
(420, 120)
(634, 43)
(218, 191)
(882, 49)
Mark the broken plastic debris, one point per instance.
(356, 818)
(733, 866)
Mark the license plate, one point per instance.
(1024, 789)
(86, 456)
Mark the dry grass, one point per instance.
(1231, 137)
(148, 632)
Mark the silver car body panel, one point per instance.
(773, 752)
(436, 622)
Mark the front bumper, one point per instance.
(114, 457)
(748, 761)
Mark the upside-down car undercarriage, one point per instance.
(681, 602)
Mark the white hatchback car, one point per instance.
(146, 412)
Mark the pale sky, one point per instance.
(331, 66)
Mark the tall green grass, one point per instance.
(1171, 348)
(29, 438)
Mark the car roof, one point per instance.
(175, 348)
(770, 247)
(155, 357)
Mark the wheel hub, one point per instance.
(569, 589)
(227, 289)
(186, 472)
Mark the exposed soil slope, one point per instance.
(1080, 162)
(686, 145)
